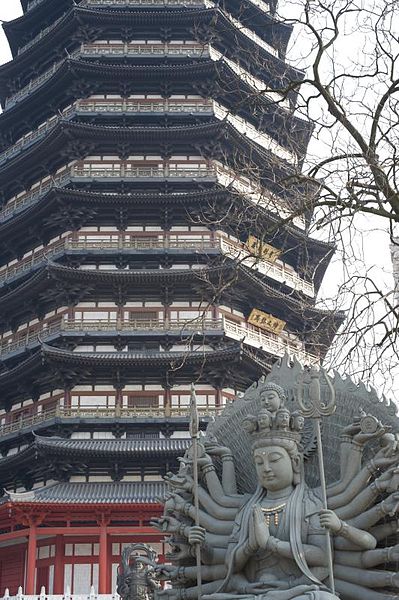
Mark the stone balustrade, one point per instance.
(91, 595)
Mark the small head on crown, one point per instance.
(272, 397)
(269, 427)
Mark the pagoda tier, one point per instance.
(44, 218)
(49, 459)
(199, 26)
(75, 78)
(29, 31)
(149, 238)
(74, 287)
(67, 140)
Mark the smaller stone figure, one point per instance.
(283, 417)
(264, 420)
(136, 573)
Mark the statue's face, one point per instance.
(283, 419)
(264, 421)
(270, 400)
(273, 468)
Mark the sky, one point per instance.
(371, 239)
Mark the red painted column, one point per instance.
(59, 565)
(103, 560)
(31, 560)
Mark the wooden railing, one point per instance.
(32, 338)
(83, 243)
(277, 345)
(131, 49)
(234, 250)
(80, 412)
(114, 106)
(30, 198)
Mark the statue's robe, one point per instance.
(266, 571)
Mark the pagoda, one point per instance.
(146, 242)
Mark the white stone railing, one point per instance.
(87, 170)
(118, 412)
(127, 3)
(93, 50)
(274, 270)
(278, 345)
(130, 106)
(32, 338)
(225, 176)
(234, 250)
(91, 595)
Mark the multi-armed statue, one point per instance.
(269, 542)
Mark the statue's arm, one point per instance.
(314, 551)
(367, 559)
(351, 460)
(362, 500)
(208, 573)
(214, 508)
(224, 492)
(360, 481)
(210, 523)
(389, 506)
(380, 532)
(371, 578)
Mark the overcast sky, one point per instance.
(374, 241)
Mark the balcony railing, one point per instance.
(93, 172)
(273, 270)
(269, 342)
(40, 35)
(64, 325)
(109, 107)
(80, 412)
(277, 345)
(126, 3)
(144, 50)
(234, 250)
(94, 50)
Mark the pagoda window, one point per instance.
(140, 401)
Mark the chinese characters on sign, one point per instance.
(266, 321)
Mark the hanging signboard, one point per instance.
(265, 321)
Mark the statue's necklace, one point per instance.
(275, 512)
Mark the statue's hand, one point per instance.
(393, 553)
(389, 481)
(184, 482)
(261, 529)
(329, 520)
(390, 506)
(166, 524)
(176, 503)
(169, 594)
(215, 449)
(166, 572)
(196, 535)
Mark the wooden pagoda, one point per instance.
(145, 243)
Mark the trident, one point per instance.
(314, 408)
(194, 433)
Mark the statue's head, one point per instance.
(277, 465)
(276, 447)
(272, 397)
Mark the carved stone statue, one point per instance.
(136, 573)
(267, 541)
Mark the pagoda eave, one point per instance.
(89, 138)
(51, 367)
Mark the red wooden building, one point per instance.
(141, 248)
